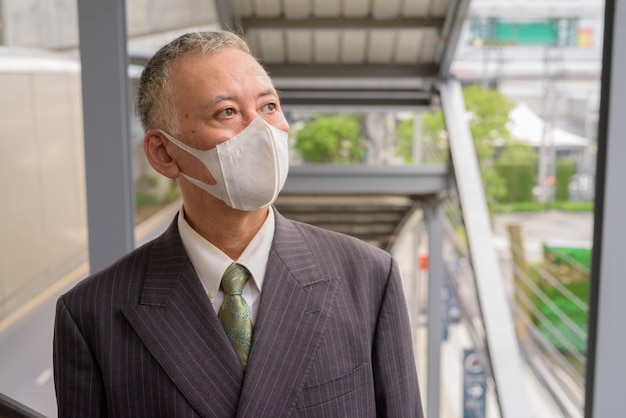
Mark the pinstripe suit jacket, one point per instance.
(140, 338)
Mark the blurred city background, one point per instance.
(462, 136)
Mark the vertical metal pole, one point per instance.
(104, 63)
(434, 218)
(606, 366)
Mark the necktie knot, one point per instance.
(234, 279)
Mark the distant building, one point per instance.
(546, 55)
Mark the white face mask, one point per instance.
(250, 168)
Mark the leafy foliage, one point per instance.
(568, 255)
(519, 178)
(331, 139)
(566, 336)
(564, 172)
(488, 115)
(569, 267)
(435, 144)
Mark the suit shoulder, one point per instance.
(336, 244)
(126, 272)
(363, 270)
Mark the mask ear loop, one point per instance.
(216, 190)
(199, 154)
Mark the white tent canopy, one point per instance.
(525, 125)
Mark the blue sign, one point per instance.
(474, 385)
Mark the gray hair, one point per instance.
(155, 95)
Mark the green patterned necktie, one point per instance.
(234, 313)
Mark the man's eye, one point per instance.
(227, 112)
(270, 107)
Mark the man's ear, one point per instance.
(158, 156)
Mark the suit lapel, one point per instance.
(177, 324)
(295, 304)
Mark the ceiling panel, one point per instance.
(384, 9)
(429, 48)
(356, 8)
(439, 7)
(353, 44)
(272, 46)
(408, 47)
(267, 8)
(381, 46)
(416, 8)
(242, 7)
(297, 9)
(326, 44)
(326, 8)
(299, 50)
(351, 32)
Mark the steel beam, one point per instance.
(351, 71)
(328, 179)
(450, 34)
(341, 23)
(433, 213)
(106, 114)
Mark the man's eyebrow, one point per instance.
(214, 100)
(268, 92)
(221, 98)
(218, 98)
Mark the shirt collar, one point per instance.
(210, 262)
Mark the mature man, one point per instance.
(306, 322)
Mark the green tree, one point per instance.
(434, 147)
(488, 114)
(404, 135)
(516, 164)
(565, 169)
(331, 139)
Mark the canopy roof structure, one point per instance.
(353, 55)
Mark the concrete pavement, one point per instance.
(539, 227)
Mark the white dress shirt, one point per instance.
(210, 262)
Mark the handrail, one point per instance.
(10, 408)
(559, 370)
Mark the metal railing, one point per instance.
(554, 350)
(557, 363)
(10, 408)
(461, 282)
